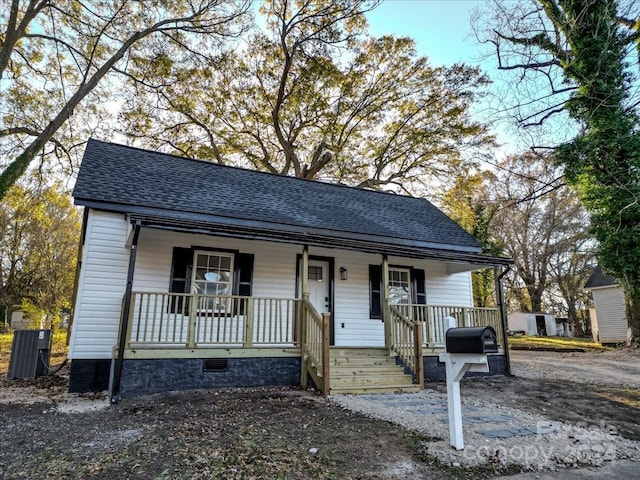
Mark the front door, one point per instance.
(319, 285)
(320, 280)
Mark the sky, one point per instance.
(441, 28)
(442, 32)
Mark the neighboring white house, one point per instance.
(196, 275)
(608, 320)
(541, 324)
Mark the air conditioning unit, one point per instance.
(30, 354)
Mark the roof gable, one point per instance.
(129, 179)
(599, 279)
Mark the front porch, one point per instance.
(163, 325)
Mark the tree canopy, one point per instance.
(523, 209)
(39, 229)
(313, 95)
(582, 55)
(54, 56)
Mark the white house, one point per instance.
(608, 319)
(197, 275)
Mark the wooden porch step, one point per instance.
(370, 380)
(362, 361)
(367, 370)
(376, 389)
(358, 351)
(363, 369)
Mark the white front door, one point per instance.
(319, 285)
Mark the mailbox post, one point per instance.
(466, 351)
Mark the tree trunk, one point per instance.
(633, 316)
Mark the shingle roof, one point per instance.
(131, 180)
(599, 279)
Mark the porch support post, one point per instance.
(124, 320)
(304, 284)
(419, 361)
(326, 375)
(386, 311)
(503, 312)
(305, 272)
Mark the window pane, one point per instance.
(212, 276)
(214, 262)
(225, 263)
(200, 274)
(200, 287)
(202, 261)
(315, 273)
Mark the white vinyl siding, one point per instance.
(353, 327)
(102, 281)
(274, 268)
(104, 273)
(444, 288)
(612, 324)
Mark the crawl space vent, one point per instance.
(214, 365)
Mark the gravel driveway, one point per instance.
(616, 368)
(559, 410)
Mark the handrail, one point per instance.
(406, 343)
(314, 345)
(189, 320)
(432, 319)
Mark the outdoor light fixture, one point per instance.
(343, 273)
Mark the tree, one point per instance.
(539, 220)
(53, 55)
(569, 271)
(468, 203)
(589, 47)
(315, 97)
(39, 229)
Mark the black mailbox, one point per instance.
(471, 340)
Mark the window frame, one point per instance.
(409, 284)
(212, 253)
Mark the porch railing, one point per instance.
(432, 319)
(314, 344)
(406, 342)
(191, 320)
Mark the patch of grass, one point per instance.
(58, 348)
(556, 343)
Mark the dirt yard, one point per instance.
(287, 433)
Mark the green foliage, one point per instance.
(314, 96)
(584, 52)
(39, 228)
(468, 204)
(603, 162)
(523, 211)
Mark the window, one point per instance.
(213, 273)
(315, 273)
(399, 286)
(406, 285)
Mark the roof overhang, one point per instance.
(459, 259)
